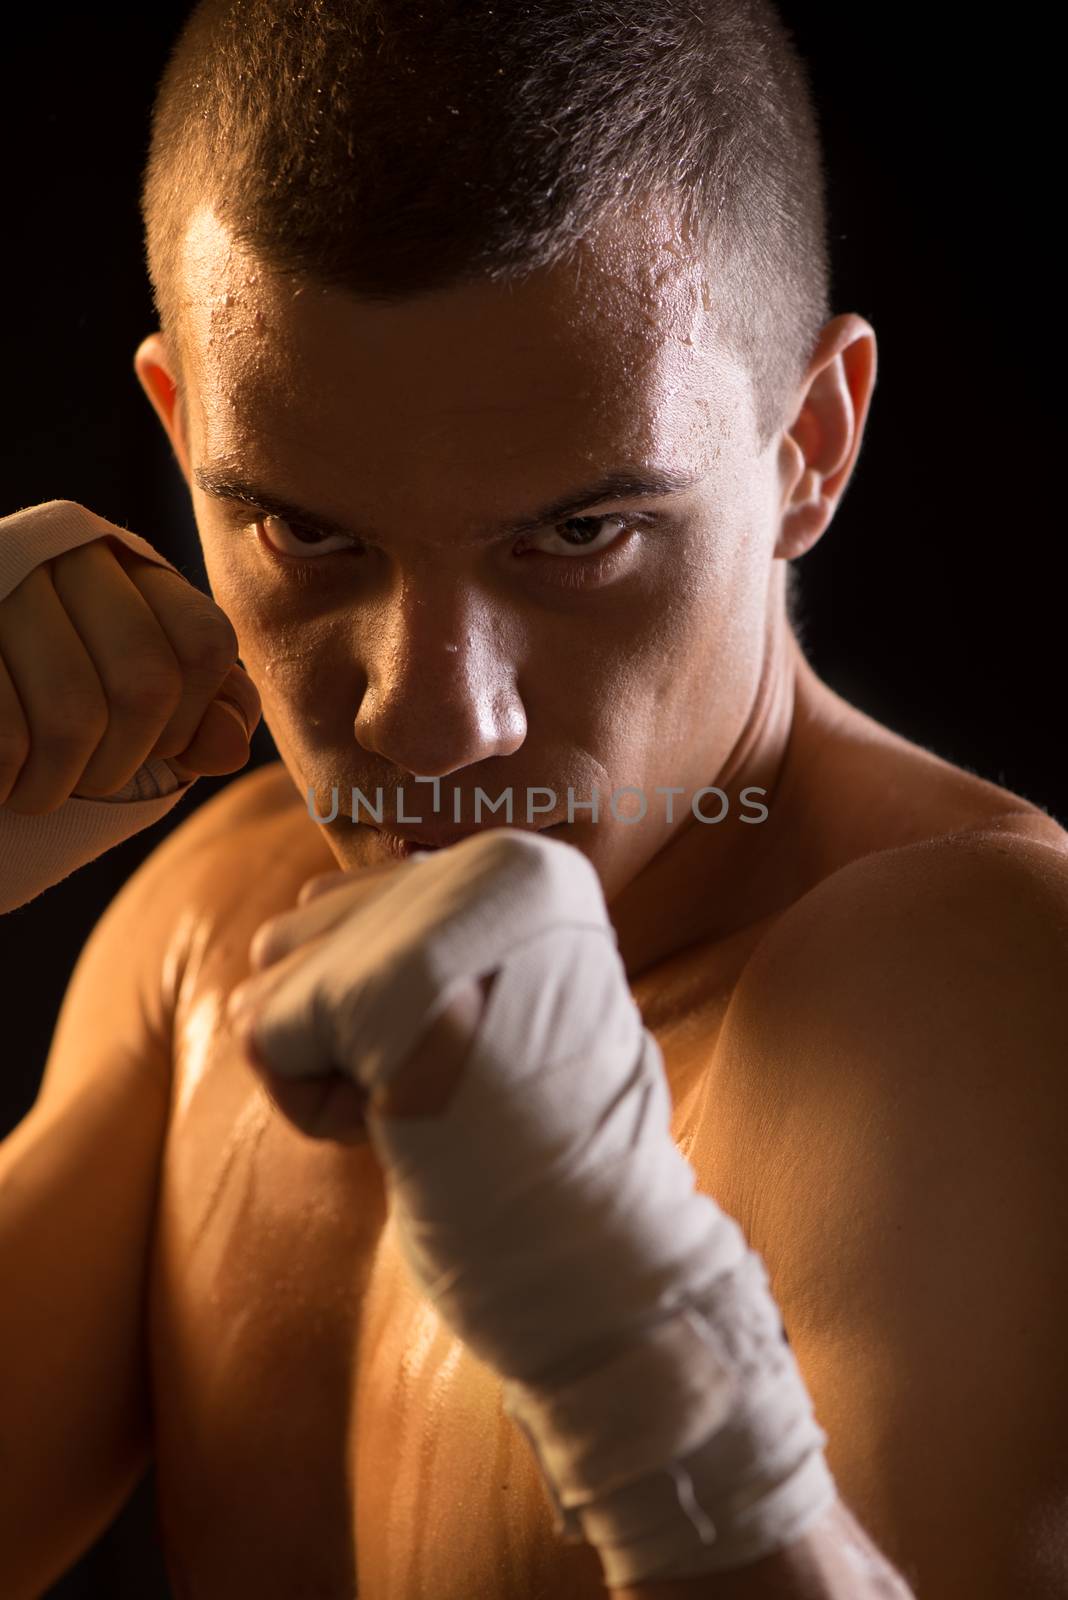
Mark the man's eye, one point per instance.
(583, 537)
(580, 545)
(290, 539)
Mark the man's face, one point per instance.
(617, 646)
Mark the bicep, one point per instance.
(78, 1182)
(942, 1390)
(924, 1276)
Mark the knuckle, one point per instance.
(551, 875)
(210, 645)
(524, 854)
(14, 750)
(73, 716)
(151, 689)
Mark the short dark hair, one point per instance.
(392, 147)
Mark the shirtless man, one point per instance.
(858, 1000)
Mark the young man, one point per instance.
(498, 463)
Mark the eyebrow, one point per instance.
(220, 481)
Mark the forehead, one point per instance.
(602, 357)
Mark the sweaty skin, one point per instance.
(296, 1383)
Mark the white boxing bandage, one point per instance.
(551, 1219)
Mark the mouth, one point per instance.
(403, 845)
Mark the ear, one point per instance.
(159, 378)
(818, 452)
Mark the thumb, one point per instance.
(219, 745)
(221, 742)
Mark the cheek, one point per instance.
(262, 602)
(687, 671)
(226, 579)
(298, 663)
(317, 708)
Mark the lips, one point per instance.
(403, 848)
(429, 838)
(403, 845)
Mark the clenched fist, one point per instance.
(106, 659)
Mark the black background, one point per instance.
(932, 602)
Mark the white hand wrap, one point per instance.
(551, 1219)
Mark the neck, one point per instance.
(709, 881)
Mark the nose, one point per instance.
(440, 689)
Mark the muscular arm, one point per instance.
(78, 1182)
(924, 1276)
(77, 1187)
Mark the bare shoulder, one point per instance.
(905, 1024)
(954, 899)
(237, 859)
(234, 840)
(124, 988)
(911, 985)
(262, 795)
(255, 830)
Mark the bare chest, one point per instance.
(319, 1431)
